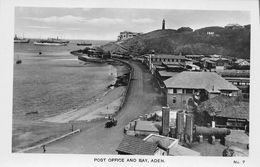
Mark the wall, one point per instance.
(145, 133)
(179, 100)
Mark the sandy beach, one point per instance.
(99, 107)
(53, 90)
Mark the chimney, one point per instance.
(180, 125)
(165, 120)
(189, 127)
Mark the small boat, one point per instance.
(84, 44)
(20, 40)
(18, 60)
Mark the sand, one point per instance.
(100, 107)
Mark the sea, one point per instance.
(54, 80)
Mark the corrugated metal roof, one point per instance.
(136, 146)
(209, 81)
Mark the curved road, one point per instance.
(144, 96)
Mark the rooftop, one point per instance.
(194, 56)
(166, 56)
(235, 73)
(162, 141)
(135, 146)
(225, 106)
(209, 81)
(166, 73)
(171, 144)
(146, 126)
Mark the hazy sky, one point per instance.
(105, 24)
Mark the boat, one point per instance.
(18, 60)
(20, 40)
(51, 42)
(84, 44)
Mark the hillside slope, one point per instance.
(233, 42)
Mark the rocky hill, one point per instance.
(233, 41)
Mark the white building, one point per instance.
(127, 35)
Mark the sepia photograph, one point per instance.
(132, 85)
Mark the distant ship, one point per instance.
(20, 40)
(91, 55)
(51, 42)
(84, 44)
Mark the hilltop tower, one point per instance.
(163, 24)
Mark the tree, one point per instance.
(184, 29)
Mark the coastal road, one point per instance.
(144, 97)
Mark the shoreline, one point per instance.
(107, 102)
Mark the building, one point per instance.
(153, 145)
(216, 63)
(142, 128)
(158, 59)
(195, 57)
(135, 146)
(127, 35)
(238, 78)
(242, 62)
(170, 146)
(228, 112)
(210, 33)
(164, 75)
(181, 88)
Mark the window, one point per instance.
(189, 91)
(179, 91)
(174, 100)
(170, 91)
(174, 90)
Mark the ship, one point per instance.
(20, 40)
(93, 55)
(51, 42)
(84, 44)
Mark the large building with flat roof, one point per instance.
(182, 87)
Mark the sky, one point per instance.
(106, 23)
